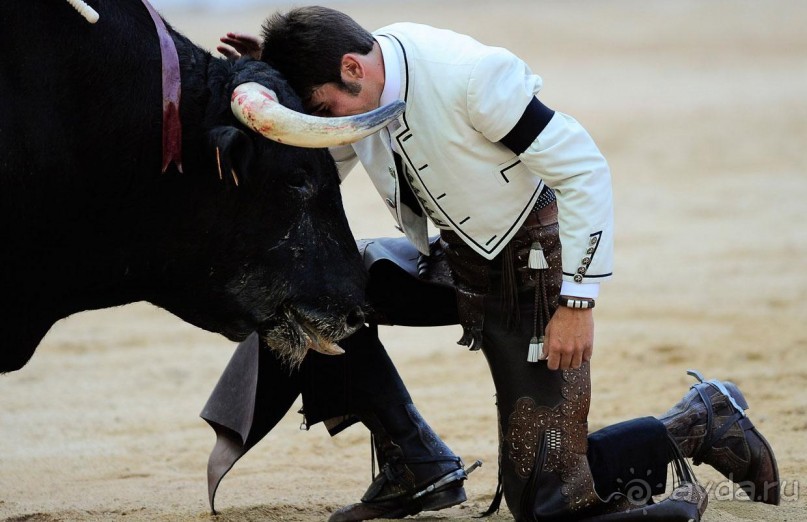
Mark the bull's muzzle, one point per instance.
(315, 340)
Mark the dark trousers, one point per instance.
(622, 456)
(362, 379)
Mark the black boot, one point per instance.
(710, 425)
(418, 471)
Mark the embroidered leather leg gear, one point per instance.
(543, 461)
(710, 426)
(545, 471)
(418, 472)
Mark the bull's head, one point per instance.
(91, 220)
(278, 256)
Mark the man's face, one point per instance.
(333, 100)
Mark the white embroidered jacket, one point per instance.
(462, 97)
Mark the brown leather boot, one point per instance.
(710, 425)
(418, 471)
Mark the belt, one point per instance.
(542, 217)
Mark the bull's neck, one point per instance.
(194, 65)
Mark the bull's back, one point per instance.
(80, 119)
(80, 102)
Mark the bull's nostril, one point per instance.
(355, 318)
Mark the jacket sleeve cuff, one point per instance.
(586, 290)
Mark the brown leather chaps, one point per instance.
(543, 430)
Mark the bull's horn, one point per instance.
(89, 14)
(257, 107)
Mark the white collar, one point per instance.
(392, 72)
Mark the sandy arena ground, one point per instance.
(699, 106)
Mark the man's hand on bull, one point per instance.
(239, 44)
(569, 338)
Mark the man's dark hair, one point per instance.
(307, 44)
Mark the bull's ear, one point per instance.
(232, 152)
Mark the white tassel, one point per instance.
(90, 14)
(536, 349)
(537, 261)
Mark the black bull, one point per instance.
(89, 221)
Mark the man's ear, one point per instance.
(352, 67)
(232, 152)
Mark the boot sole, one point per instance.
(765, 497)
(444, 499)
(432, 502)
(450, 495)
